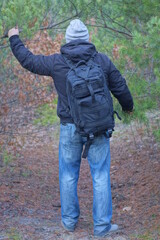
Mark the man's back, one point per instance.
(56, 67)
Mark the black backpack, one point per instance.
(89, 99)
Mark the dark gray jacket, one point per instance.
(56, 67)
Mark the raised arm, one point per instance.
(38, 64)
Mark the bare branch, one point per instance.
(56, 24)
(105, 14)
(112, 29)
(44, 28)
(74, 7)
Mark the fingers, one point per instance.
(13, 31)
(129, 112)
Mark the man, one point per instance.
(71, 143)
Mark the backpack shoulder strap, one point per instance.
(91, 60)
(69, 62)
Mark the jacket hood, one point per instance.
(77, 50)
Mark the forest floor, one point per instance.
(29, 188)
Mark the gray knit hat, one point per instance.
(76, 30)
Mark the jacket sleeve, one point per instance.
(119, 88)
(38, 64)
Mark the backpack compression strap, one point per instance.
(87, 145)
(107, 134)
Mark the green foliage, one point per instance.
(156, 134)
(46, 114)
(13, 234)
(7, 158)
(27, 14)
(145, 237)
(27, 173)
(139, 55)
(149, 234)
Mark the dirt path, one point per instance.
(30, 204)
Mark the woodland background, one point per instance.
(129, 33)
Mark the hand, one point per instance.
(13, 31)
(130, 112)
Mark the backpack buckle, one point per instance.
(91, 136)
(109, 132)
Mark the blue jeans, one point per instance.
(70, 150)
